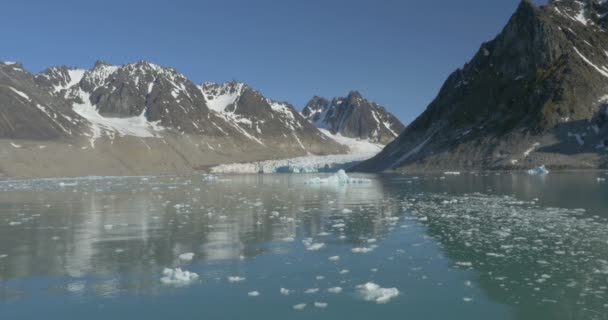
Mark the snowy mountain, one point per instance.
(30, 112)
(141, 118)
(354, 117)
(536, 94)
(260, 117)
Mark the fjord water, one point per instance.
(470, 246)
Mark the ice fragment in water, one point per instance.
(340, 178)
(178, 277)
(186, 256)
(539, 171)
(373, 292)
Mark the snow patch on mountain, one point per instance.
(137, 126)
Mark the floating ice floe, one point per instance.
(236, 279)
(311, 290)
(340, 178)
(178, 277)
(186, 256)
(539, 171)
(321, 304)
(210, 178)
(373, 292)
(300, 306)
(285, 292)
(335, 290)
(346, 211)
(334, 258)
(601, 179)
(253, 293)
(362, 250)
(310, 246)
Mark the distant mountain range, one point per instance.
(536, 94)
(142, 118)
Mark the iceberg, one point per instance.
(178, 277)
(340, 178)
(539, 171)
(373, 292)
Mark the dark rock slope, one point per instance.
(354, 117)
(536, 94)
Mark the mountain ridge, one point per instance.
(353, 116)
(534, 95)
(138, 118)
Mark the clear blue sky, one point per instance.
(396, 52)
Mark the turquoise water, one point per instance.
(505, 246)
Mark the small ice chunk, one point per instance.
(334, 258)
(310, 246)
(361, 250)
(236, 279)
(178, 277)
(300, 306)
(467, 299)
(186, 256)
(373, 292)
(210, 178)
(539, 171)
(311, 290)
(334, 290)
(321, 304)
(346, 211)
(285, 292)
(340, 178)
(344, 271)
(253, 293)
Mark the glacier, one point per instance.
(360, 150)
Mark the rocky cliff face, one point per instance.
(30, 112)
(353, 116)
(140, 118)
(536, 94)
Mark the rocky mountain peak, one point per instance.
(534, 93)
(353, 116)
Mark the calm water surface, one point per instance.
(504, 246)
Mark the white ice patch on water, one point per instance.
(178, 277)
(362, 250)
(300, 306)
(340, 178)
(312, 246)
(373, 292)
(186, 256)
(236, 279)
(539, 171)
(253, 293)
(335, 290)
